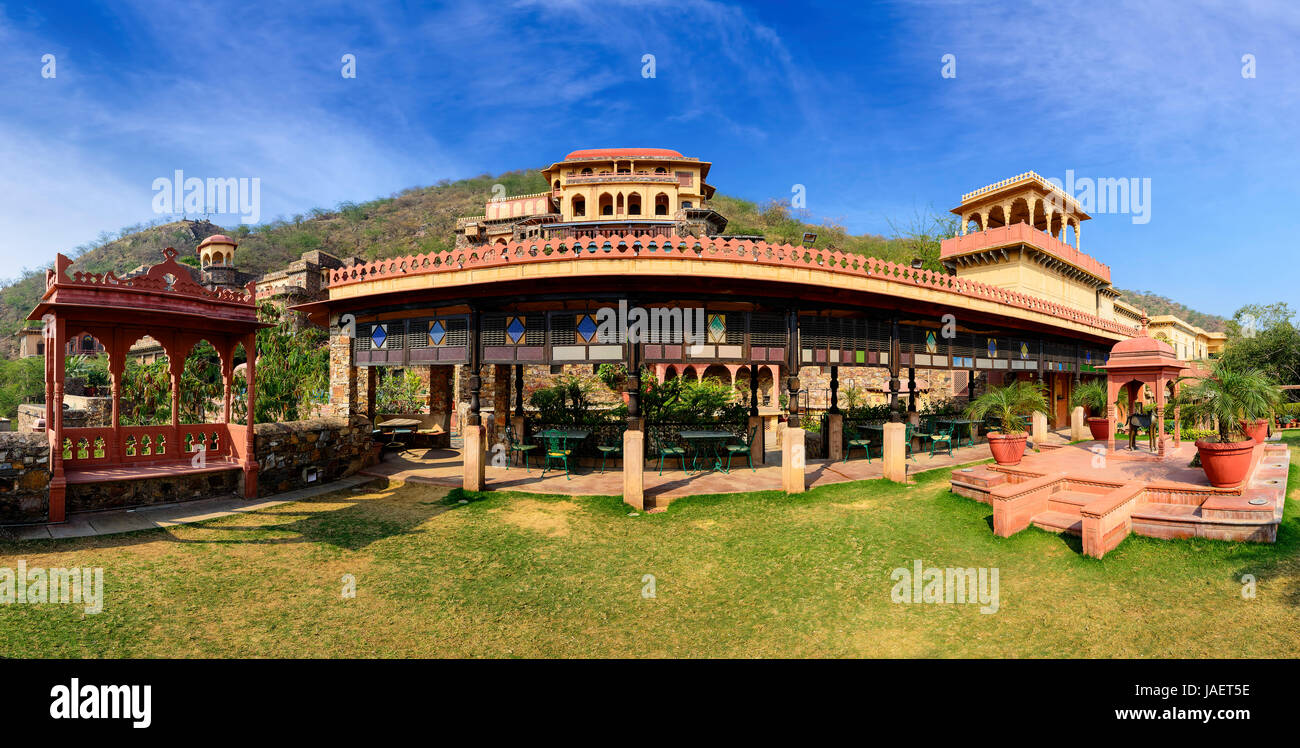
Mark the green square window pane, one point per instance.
(861, 357)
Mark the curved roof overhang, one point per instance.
(689, 268)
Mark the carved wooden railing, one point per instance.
(91, 446)
(707, 249)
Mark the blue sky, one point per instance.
(845, 99)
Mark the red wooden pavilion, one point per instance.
(164, 303)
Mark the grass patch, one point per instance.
(745, 575)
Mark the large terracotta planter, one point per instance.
(1258, 431)
(1100, 428)
(1007, 449)
(1225, 465)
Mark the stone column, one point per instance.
(894, 458)
(343, 377)
(634, 463)
(1078, 426)
(1040, 429)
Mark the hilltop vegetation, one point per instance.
(422, 219)
(1154, 305)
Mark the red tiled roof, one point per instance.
(623, 153)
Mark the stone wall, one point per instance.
(90, 497)
(336, 447)
(24, 478)
(30, 413)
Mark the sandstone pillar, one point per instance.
(1039, 429)
(792, 460)
(634, 464)
(895, 453)
(1078, 424)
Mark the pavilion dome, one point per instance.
(1143, 345)
(218, 239)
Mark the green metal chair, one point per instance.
(518, 448)
(669, 450)
(742, 448)
(944, 437)
(557, 450)
(907, 442)
(605, 451)
(855, 440)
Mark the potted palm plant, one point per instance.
(1092, 396)
(1009, 405)
(1233, 399)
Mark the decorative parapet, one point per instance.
(167, 277)
(1028, 176)
(628, 246)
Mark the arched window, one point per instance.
(557, 184)
(586, 172)
(634, 204)
(660, 170)
(661, 204)
(579, 205)
(620, 202)
(606, 204)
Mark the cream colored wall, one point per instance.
(1188, 346)
(592, 192)
(1027, 276)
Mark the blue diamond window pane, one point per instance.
(515, 330)
(437, 333)
(378, 336)
(587, 327)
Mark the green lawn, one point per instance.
(749, 575)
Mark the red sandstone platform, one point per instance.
(1103, 497)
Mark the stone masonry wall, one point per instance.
(24, 478)
(336, 447)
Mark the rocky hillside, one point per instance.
(422, 219)
(1155, 304)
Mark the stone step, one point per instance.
(1069, 502)
(1053, 521)
(1161, 510)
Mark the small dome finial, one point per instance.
(1145, 321)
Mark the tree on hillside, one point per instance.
(922, 233)
(1262, 337)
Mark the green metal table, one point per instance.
(700, 440)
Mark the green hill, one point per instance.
(1154, 304)
(422, 219)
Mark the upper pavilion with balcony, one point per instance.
(605, 190)
(1023, 234)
